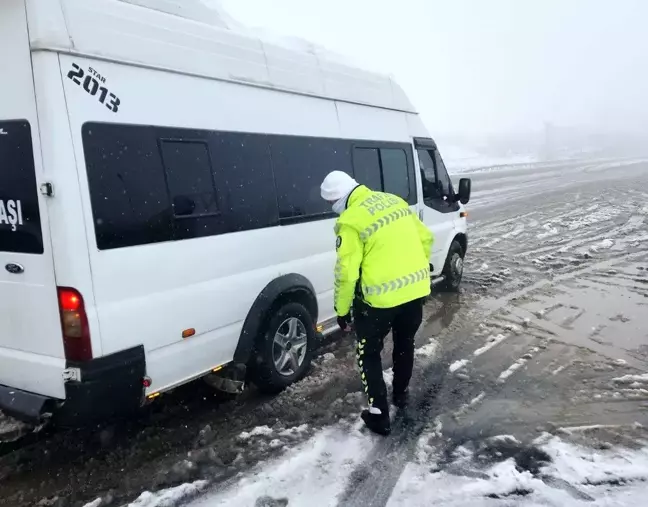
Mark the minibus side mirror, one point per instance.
(465, 187)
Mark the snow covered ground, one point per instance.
(571, 476)
(499, 471)
(460, 159)
(314, 474)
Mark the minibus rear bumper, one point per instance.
(101, 389)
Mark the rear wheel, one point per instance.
(453, 269)
(284, 353)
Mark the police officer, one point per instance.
(383, 271)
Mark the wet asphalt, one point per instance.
(552, 315)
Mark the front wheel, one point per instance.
(453, 269)
(284, 353)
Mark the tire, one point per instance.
(453, 269)
(287, 340)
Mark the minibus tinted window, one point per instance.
(244, 179)
(128, 191)
(394, 170)
(442, 175)
(191, 186)
(428, 174)
(366, 165)
(20, 223)
(189, 178)
(300, 165)
(385, 170)
(150, 184)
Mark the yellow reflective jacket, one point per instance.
(382, 243)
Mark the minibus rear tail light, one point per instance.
(74, 323)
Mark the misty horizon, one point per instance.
(476, 69)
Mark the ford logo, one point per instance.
(15, 269)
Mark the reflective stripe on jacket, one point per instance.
(384, 244)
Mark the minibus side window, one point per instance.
(366, 166)
(437, 187)
(385, 170)
(152, 184)
(442, 175)
(394, 170)
(299, 165)
(128, 192)
(244, 179)
(189, 178)
(428, 175)
(190, 182)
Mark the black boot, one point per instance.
(378, 423)
(401, 398)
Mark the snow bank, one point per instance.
(312, 475)
(318, 471)
(577, 477)
(579, 465)
(169, 497)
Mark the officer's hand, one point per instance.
(344, 323)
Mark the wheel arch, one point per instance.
(462, 239)
(291, 287)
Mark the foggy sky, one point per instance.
(478, 66)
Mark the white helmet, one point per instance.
(337, 185)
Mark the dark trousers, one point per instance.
(372, 325)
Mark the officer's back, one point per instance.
(395, 260)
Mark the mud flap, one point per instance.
(230, 380)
